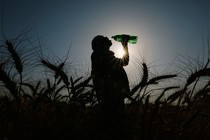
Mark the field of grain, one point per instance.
(60, 105)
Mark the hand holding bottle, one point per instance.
(125, 39)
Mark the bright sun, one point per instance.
(119, 52)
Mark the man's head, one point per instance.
(101, 43)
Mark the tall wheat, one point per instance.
(58, 71)
(143, 80)
(15, 56)
(192, 78)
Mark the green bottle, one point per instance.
(131, 38)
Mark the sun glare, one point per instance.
(119, 52)
(117, 49)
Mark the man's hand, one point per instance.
(125, 41)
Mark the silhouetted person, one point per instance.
(110, 81)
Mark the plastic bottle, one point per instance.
(131, 38)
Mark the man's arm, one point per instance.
(125, 58)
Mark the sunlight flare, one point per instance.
(120, 52)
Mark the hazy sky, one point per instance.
(164, 27)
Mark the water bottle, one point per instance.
(131, 38)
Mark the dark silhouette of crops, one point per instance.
(62, 106)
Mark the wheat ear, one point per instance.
(15, 56)
(143, 80)
(197, 74)
(58, 71)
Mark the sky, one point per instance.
(165, 28)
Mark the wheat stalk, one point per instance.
(176, 95)
(15, 56)
(58, 71)
(197, 74)
(143, 80)
(8, 82)
(157, 101)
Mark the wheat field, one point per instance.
(62, 106)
